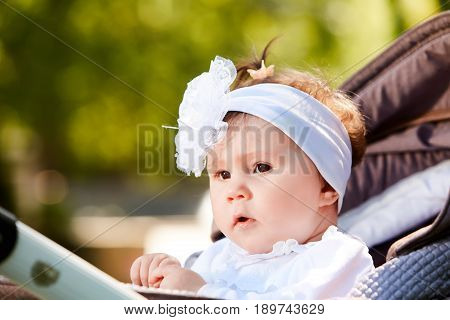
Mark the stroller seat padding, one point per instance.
(421, 274)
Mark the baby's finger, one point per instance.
(155, 264)
(157, 260)
(144, 270)
(155, 277)
(170, 261)
(158, 274)
(135, 272)
(157, 284)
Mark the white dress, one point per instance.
(322, 269)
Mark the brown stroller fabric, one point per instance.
(405, 96)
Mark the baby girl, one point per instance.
(278, 148)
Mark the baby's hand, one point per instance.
(175, 277)
(146, 270)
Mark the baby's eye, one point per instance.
(262, 167)
(224, 174)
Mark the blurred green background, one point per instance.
(80, 79)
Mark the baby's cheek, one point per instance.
(276, 189)
(285, 200)
(220, 217)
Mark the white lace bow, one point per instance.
(200, 122)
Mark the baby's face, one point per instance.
(263, 187)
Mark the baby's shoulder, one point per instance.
(335, 244)
(340, 247)
(339, 236)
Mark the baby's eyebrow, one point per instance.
(213, 162)
(255, 154)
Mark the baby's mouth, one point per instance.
(242, 221)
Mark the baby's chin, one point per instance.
(256, 247)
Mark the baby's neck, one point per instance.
(327, 221)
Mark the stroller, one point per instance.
(404, 94)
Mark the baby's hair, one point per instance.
(338, 102)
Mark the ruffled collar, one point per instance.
(241, 257)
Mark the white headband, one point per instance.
(207, 100)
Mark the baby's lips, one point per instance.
(245, 224)
(240, 215)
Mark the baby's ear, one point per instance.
(328, 195)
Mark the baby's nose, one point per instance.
(240, 193)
